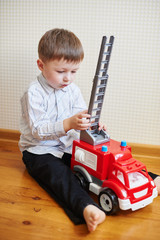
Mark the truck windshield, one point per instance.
(137, 179)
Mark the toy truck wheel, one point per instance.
(108, 201)
(82, 181)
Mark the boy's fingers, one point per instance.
(102, 127)
(85, 113)
(84, 126)
(84, 121)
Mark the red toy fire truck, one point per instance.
(104, 166)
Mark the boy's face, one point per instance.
(58, 73)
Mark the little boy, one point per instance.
(53, 112)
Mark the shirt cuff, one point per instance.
(59, 129)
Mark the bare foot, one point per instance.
(157, 182)
(93, 216)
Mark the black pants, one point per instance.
(55, 176)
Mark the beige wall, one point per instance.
(131, 109)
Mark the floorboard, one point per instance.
(27, 212)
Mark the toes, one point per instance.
(92, 227)
(93, 222)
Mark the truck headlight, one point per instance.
(153, 184)
(79, 156)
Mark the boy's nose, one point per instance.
(67, 77)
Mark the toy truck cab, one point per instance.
(110, 171)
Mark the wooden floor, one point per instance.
(28, 213)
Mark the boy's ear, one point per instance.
(40, 64)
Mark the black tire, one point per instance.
(82, 181)
(108, 201)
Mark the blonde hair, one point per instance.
(59, 44)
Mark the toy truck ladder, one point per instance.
(94, 136)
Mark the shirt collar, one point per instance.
(47, 87)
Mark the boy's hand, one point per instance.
(79, 121)
(102, 126)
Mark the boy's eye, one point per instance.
(60, 71)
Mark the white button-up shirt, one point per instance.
(43, 112)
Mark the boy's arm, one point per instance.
(37, 121)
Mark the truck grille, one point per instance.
(141, 193)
